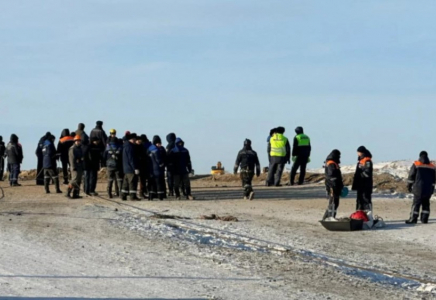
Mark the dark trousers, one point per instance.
(171, 183)
(418, 202)
(300, 163)
(2, 168)
(93, 177)
(157, 187)
(364, 200)
(65, 164)
(51, 174)
(130, 184)
(14, 171)
(114, 176)
(40, 171)
(247, 179)
(144, 182)
(333, 205)
(275, 173)
(182, 180)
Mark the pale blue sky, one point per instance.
(216, 72)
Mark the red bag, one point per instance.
(359, 215)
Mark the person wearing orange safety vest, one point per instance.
(421, 183)
(279, 151)
(363, 180)
(333, 183)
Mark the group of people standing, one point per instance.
(135, 167)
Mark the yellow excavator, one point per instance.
(218, 169)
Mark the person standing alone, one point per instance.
(248, 160)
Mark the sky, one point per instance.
(351, 73)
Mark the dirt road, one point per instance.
(52, 247)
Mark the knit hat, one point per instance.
(81, 126)
(362, 149)
(156, 140)
(423, 153)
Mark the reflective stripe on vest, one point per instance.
(303, 140)
(278, 145)
(331, 162)
(419, 164)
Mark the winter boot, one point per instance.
(124, 197)
(70, 189)
(133, 197)
(76, 194)
(424, 217)
(412, 220)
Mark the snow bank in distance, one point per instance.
(399, 168)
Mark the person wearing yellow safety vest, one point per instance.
(300, 155)
(279, 151)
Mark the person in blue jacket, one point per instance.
(181, 165)
(130, 168)
(157, 155)
(49, 155)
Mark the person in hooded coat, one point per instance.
(180, 160)
(49, 165)
(421, 182)
(158, 157)
(40, 158)
(14, 152)
(2, 158)
(280, 154)
(333, 183)
(81, 132)
(65, 143)
(113, 156)
(300, 155)
(363, 180)
(144, 168)
(131, 168)
(171, 139)
(248, 161)
(92, 162)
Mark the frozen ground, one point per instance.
(52, 247)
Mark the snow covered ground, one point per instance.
(399, 168)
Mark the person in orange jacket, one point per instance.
(65, 143)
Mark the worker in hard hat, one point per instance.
(333, 183)
(300, 155)
(248, 161)
(76, 165)
(280, 154)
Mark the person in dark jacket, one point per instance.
(363, 180)
(40, 158)
(280, 154)
(99, 133)
(300, 155)
(421, 182)
(49, 165)
(157, 155)
(75, 155)
(130, 168)
(14, 152)
(65, 143)
(171, 139)
(333, 183)
(2, 158)
(81, 132)
(114, 164)
(92, 159)
(248, 161)
(144, 168)
(180, 160)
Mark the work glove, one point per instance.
(289, 162)
(409, 188)
(136, 172)
(294, 158)
(308, 160)
(258, 173)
